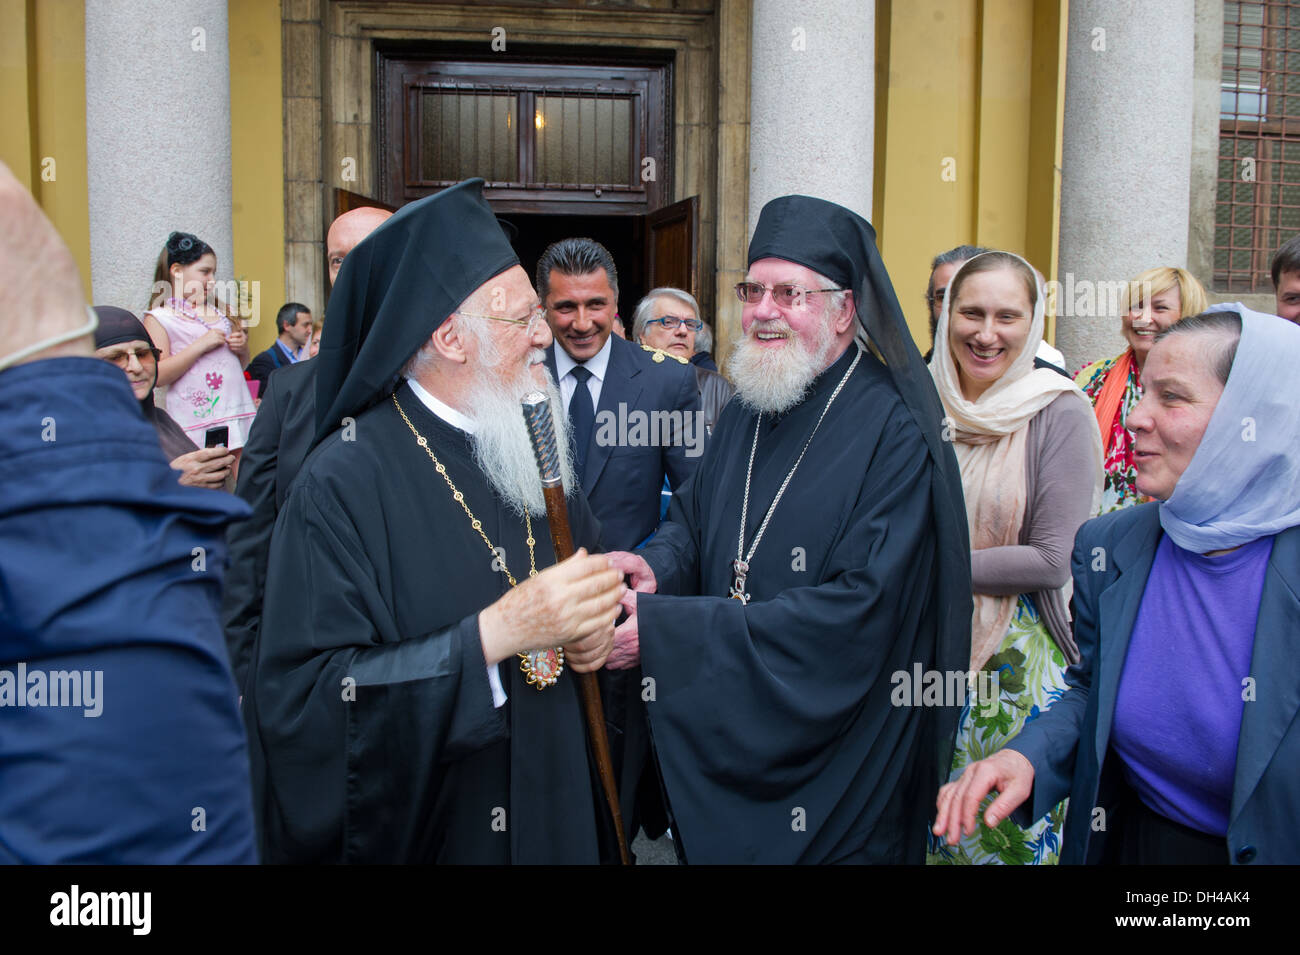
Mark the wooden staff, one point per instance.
(541, 429)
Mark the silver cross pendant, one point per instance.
(741, 569)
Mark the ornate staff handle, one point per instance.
(541, 429)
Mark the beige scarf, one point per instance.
(990, 437)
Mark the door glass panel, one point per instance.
(465, 133)
(584, 139)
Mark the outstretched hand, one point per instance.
(1006, 771)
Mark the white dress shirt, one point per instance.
(597, 364)
(459, 421)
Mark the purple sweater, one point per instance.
(1178, 711)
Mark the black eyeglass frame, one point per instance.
(694, 324)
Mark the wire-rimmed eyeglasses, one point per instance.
(538, 314)
(122, 358)
(785, 294)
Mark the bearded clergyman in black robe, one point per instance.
(408, 702)
(820, 550)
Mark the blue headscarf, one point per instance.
(1243, 482)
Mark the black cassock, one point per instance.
(373, 732)
(772, 722)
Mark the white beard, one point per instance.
(502, 447)
(774, 380)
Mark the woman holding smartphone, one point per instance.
(202, 350)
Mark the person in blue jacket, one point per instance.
(1177, 739)
(120, 735)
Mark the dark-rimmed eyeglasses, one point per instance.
(785, 294)
(122, 358)
(673, 322)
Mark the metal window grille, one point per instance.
(580, 138)
(1258, 204)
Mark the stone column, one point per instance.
(1126, 169)
(157, 138)
(812, 102)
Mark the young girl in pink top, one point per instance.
(203, 349)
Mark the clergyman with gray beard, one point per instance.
(412, 695)
(820, 548)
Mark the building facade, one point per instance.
(1095, 137)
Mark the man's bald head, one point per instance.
(349, 229)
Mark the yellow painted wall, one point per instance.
(257, 158)
(43, 112)
(970, 101)
(16, 104)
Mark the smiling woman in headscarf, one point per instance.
(1177, 740)
(1030, 461)
(121, 339)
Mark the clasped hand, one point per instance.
(627, 638)
(571, 605)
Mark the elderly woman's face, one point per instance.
(1145, 320)
(136, 359)
(1180, 393)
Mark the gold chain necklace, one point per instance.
(541, 667)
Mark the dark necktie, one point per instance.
(582, 413)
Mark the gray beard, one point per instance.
(772, 381)
(502, 448)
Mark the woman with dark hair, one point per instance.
(202, 350)
(1177, 739)
(1030, 459)
(121, 340)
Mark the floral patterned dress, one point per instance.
(1119, 488)
(213, 392)
(1022, 679)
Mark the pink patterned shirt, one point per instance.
(213, 392)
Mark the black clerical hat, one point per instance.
(394, 290)
(841, 245)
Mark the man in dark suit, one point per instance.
(293, 323)
(277, 445)
(619, 397)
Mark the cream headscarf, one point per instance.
(990, 436)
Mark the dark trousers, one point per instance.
(1148, 838)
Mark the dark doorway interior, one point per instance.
(622, 235)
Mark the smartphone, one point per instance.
(215, 437)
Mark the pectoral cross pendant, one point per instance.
(741, 569)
